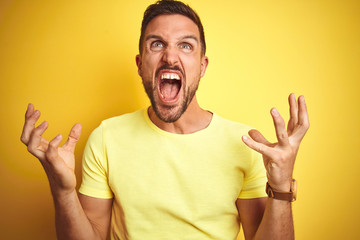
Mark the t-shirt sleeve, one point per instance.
(255, 178)
(95, 167)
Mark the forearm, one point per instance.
(71, 220)
(277, 222)
(59, 164)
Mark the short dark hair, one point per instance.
(168, 7)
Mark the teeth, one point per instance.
(170, 76)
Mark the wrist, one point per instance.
(288, 195)
(62, 196)
(60, 188)
(282, 187)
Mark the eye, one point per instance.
(157, 45)
(186, 47)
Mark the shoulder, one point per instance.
(118, 126)
(230, 132)
(123, 120)
(230, 126)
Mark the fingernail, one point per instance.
(303, 99)
(58, 137)
(275, 112)
(36, 113)
(245, 138)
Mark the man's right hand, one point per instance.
(76, 217)
(58, 162)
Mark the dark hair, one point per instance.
(167, 7)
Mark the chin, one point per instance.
(169, 114)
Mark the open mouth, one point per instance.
(169, 86)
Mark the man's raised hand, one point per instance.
(58, 162)
(279, 158)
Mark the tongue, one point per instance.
(169, 90)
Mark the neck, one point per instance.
(193, 119)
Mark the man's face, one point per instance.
(171, 64)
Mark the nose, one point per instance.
(170, 56)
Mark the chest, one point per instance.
(161, 170)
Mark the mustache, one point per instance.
(168, 67)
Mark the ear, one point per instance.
(203, 66)
(138, 63)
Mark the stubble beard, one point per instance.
(171, 113)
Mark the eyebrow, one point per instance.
(191, 37)
(182, 38)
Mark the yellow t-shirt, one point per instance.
(171, 186)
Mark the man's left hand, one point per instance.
(279, 158)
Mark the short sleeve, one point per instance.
(95, 167)
(255, 179)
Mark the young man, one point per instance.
(174, 170)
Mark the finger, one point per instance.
(29, 124)
(258, 137)
(259, 147)
(303, 114)
(73, 137)
(293, 114)
(280, 130)
(36, 140)
(52, 152)
(29, 111)
(303, 124)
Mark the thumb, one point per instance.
(74, 136)
(258, 137)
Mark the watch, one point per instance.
(286, 196)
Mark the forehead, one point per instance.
(174, 25)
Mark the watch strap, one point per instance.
(286, 196)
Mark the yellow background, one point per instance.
(75, 61)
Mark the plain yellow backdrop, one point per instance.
(75, 61)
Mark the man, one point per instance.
(174, 170)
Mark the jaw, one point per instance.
(168, 114)
(169, 98)
(168, 118)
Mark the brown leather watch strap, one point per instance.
(286, 196)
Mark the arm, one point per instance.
(273, 215)
(84, 218)
(251, 212)
(279, 159)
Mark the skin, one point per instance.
(174, 41)
(279, 159)
(76, 216)
(83, 217)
